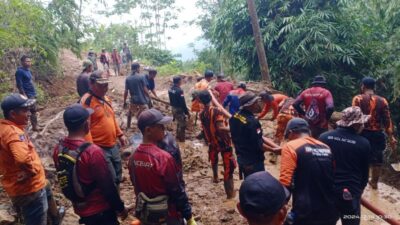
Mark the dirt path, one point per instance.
(207, 198)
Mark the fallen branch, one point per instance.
(51, 121)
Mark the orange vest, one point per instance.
(104, 128)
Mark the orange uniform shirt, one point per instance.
(379, 120)
(289, 157)
(104, 128)
(278, 98)
(199, 86)
(20, 165)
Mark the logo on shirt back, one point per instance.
(319, 152)
(144, 164)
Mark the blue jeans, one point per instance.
(35, 212)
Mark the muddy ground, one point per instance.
(208, 199)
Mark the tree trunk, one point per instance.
(262, 58)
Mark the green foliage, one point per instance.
(172, 68)
(114, 36)
(343, 40)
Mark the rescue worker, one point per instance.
(378, 108)
(232, 100)
(271, 101)
(24, 80)
(222, 88)
(351, 155)
(201, 85)
(104, 128)
(23, 177)
(102, 201)
(136, 86)
(82, 81)
(155, 176)
(307, 171)
(247, 136)
(286, 113)
(263, 200)
(318, 103)
(217, 137)
(179, 108)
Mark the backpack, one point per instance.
(313, 114)
(67, 173)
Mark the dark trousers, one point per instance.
(247, 170)
(377, 141)
(349, 210)
(104, 218)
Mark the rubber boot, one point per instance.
(375, 174)
(215, 172)
(229, 189)
(34, 122)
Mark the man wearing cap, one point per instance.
(82, 82)
(351, 153)
(307, 171)
(232, 100)
(104, 128)
(263, 200)
(179, 109)
(271, 101)
(223, 88)
(247, 135)
(378, 108)
(23, 176)
(318, 104)
(155, 173)
(216, 133)
(23, 78)
(116, 60)
(101, 202)
(136, 86)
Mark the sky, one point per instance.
(180, 37)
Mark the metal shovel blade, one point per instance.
(396, 166)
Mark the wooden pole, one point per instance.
(262, 58)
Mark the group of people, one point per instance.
(115, 58)
(324, 172)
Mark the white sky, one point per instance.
(180, 38)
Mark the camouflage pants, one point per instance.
(180, 118)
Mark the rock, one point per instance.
(6, 217)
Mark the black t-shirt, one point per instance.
(247, 136)
(351, 156)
